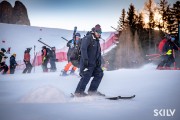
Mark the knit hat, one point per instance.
(97, 29)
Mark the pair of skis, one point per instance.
(112, 98)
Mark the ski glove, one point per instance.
(85, 63)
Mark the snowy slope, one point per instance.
(45, 96)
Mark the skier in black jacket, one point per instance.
(90, 63)
(13, 63)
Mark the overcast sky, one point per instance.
(81, 13)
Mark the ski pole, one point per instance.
(152, 55)
(155, 57)
(176, 45)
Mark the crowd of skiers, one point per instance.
(47, 56)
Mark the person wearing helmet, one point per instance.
(3, 66)
(13, 63)
(168, 53)
(72, 44)
(27, 61)
(90, 64)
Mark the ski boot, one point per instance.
(80, 94)
(63, 73)
(95, 93)
(72, 72)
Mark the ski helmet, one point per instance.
(78, 34)
(172, 38)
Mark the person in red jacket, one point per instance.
(27, 62)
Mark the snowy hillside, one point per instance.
(46, 96)
(20, 37)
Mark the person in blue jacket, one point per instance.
(90, 63)
(13, 63)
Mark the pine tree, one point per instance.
(131, 16)
(170, 20)
(122, 20)
(150, 8)
(163, 5)
(140, 22)
(176, 16)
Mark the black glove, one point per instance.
(98, 63)
(85, 63)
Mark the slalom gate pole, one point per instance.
(34, 57)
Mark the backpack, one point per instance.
(49, 52)
(76, 53)
(161, 45)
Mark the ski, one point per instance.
(74, 32)
(65, 39)
(44, 43)
(110, 98)
(120, 97)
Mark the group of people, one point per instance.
(85, 54)
(89, 61)
(47, 55)
(3, 65)
(13, 63)
(167, 50)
